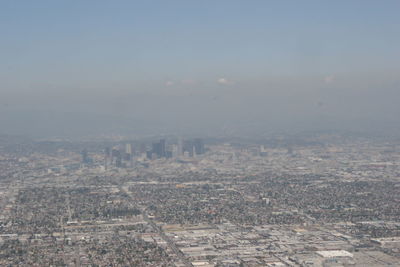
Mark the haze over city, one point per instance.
(209, 67)
(200, 133)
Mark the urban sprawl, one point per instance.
(317, 200)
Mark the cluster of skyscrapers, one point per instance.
(188, 148)
(124, 155)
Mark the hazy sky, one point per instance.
(206, 66)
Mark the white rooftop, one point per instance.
(334, 253)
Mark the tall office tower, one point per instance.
(118, 161)
(85, 156)
(162, 148)
(156, 149)
(107, 157)
(193, 152)
(189, 147)
(128, 149)
(199, 146)
(128, 152)
(115, 154)
(159, 149)
(174, 151)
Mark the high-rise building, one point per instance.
(156, 149)
(199, 146)
(194, 147)
(128, 149)
(107, 157)
(85, 156)
(188, 147)
(128, 152)
(159, 149)
(174, 151)
(116, 157)
(118, 161)
(162, 148)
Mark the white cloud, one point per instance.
(224, 81)
(169, 83)
(329, 79)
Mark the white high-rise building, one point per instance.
(175, 150)
(128, 149)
